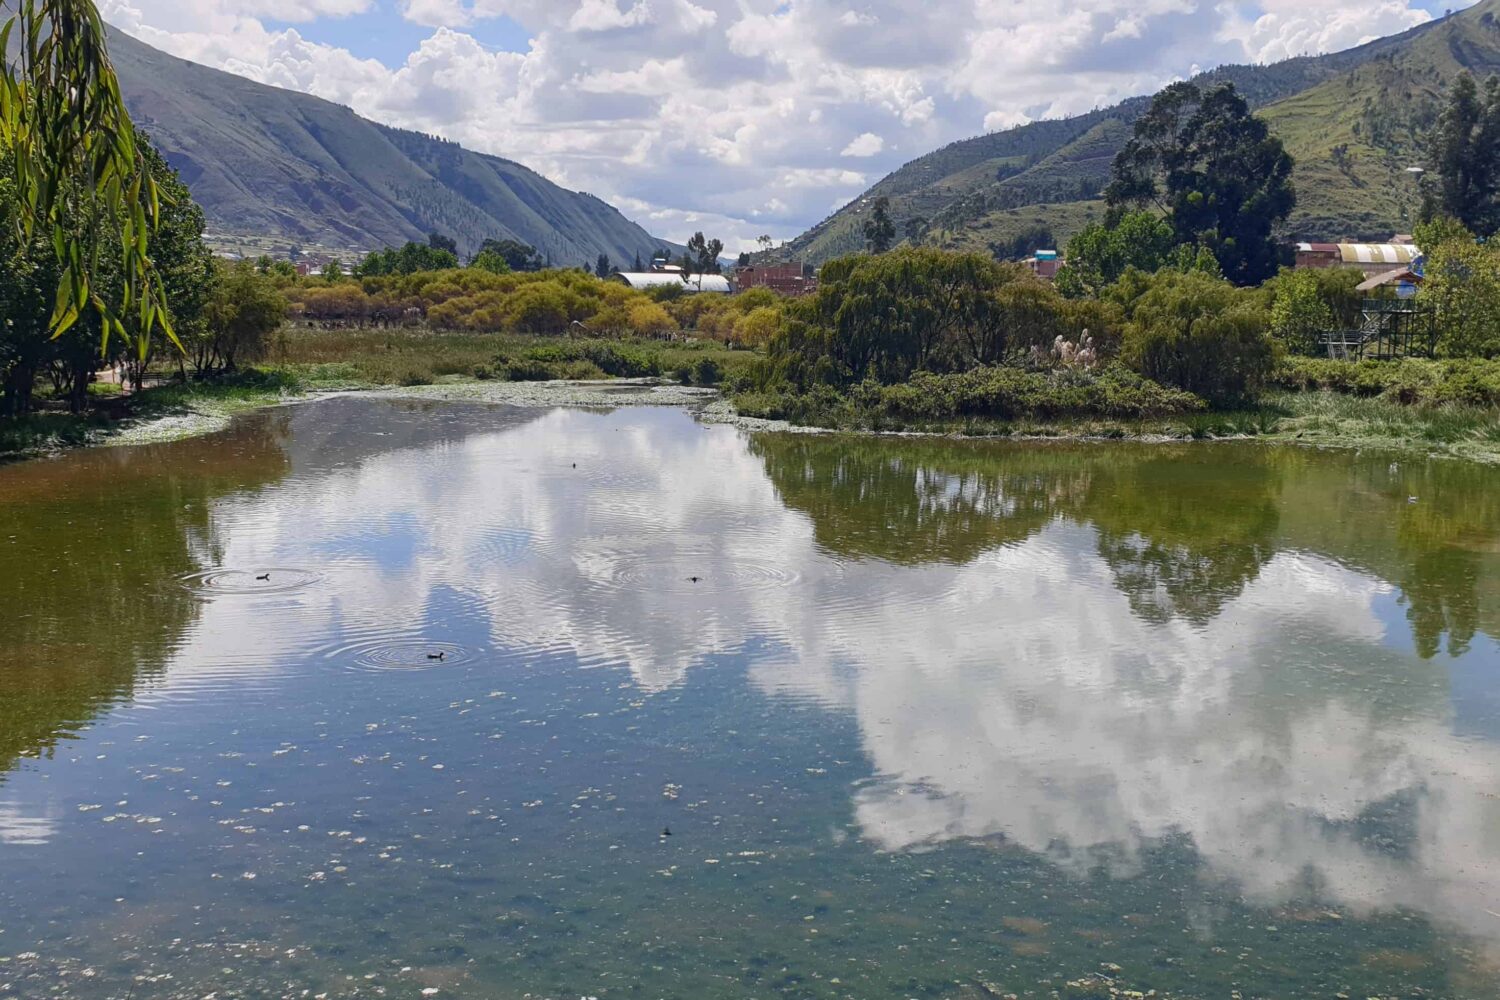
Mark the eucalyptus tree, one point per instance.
(1215, 171)
(879, 230)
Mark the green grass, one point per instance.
(1315, 417)
(39, 433)
(1328, 418)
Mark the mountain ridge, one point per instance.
(265, 161)
(986, 192)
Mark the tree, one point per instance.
(1299, 315)
(333, 272)
(1463, 287)
(704, 254)
(243, 308)
(914, 228)
(489, 260)
(517, 256)
(30, 277)
(879, 230)
(765, 242)
(637, 268)
(601, 266)
(413, 258)
(1215, 171)
(438, 241)
(743, 260)
(1463, 177)
(1199, 333)
(183, 263)
(28, 289)
(78, 178)
(888, 315)
(1102, 252)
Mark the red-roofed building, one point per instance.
(784, 279)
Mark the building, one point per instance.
(1371, 258)
(1045, 264)
(691, 284)
(1401, 283)
(784, 279)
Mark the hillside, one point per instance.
(1352, 119)
(263, 161)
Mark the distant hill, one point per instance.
(1353, 120)
(263, 161)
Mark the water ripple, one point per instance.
(400, 653)
(266, 580)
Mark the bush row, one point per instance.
(1007, 393)
(1412, 381)
(991, 392)
(577, 361)
(473, 300)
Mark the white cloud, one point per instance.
(436, 13)
(863, 145)
(707, 106)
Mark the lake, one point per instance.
(379, 697)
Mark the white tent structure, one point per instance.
(690, 283)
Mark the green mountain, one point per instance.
(1353, 120)
(268, 162)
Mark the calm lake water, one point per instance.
(935, 719)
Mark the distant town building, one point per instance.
(1044, 264)
(689, 283)
(1371, 258)
(784, 279)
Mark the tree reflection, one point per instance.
(1184, 529)
(914, 502)
(92, 544)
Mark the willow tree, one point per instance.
(80, 181)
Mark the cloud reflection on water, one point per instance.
(1015, 690)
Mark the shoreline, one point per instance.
(208, 414)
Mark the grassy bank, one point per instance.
(157, 413)
(1411, 406)
(1318, 417)
(304, 361)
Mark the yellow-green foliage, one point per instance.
(728, 319)
(544, 303)
(1463, 286)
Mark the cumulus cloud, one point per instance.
(864, 144)
(703, 107)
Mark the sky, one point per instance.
(736, 117)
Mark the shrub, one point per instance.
(756, 327)
(1200, 334)
(1413, 381)
(1298, 312)
(538, 309)
(1008, 393)
(707, 372)
(649, 319)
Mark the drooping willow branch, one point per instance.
(80, 180)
